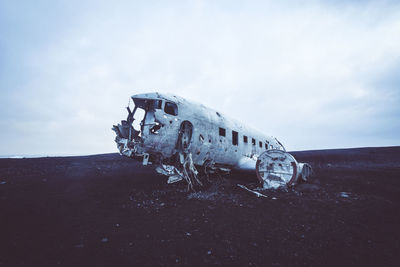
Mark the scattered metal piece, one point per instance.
(344, 194)
(258, 194)
(174, 178)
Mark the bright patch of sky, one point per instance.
(316, 74)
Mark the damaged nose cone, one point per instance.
(125, 138)
(276, 168)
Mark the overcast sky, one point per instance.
(316, 74)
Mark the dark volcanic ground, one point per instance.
(110, 210)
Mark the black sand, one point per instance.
(109, 210)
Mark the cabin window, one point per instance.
(222, 131)
(253, 141)
(235, 138)
(171, 108)
(260, 144)
(244, 139)
(266, 145)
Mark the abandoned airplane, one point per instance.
(188, 141)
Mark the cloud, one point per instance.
(316, 75)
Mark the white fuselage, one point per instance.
(214, 136)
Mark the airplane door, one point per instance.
(185, 136)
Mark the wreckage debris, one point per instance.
(277, 168)
(258, 194)
(187, 141)
(344, 194)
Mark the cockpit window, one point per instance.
(138, 116)
(171, 108)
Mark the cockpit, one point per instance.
(142, 118)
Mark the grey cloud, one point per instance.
(316, 75)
